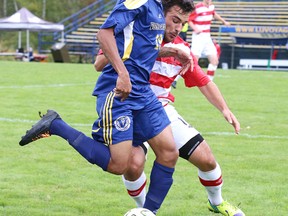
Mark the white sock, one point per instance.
(211, 71)
(212, 181)
(136, 189)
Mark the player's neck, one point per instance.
(207, 4)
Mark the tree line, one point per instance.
(50, 10)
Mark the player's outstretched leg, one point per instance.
(52, 124)
(41, 129)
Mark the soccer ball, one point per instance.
(139, 212)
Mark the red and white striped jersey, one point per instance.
(166, 69)
(202, 16)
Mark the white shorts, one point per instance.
(182, 131)
(186, 137)
(202, 45)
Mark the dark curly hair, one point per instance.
(187, 6)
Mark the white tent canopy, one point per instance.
(25, 20)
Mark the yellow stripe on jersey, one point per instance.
(107, 118)
(128, 40)
(128, 50)
(99, 127)
(96, 130)
(133, 4)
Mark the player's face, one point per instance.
(175, 20)
(207, 2)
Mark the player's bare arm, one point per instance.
(180, 55)
(218, 17)
(108, 45)
(214, 96)
(194, 27)
(100, 62)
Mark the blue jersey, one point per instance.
(138, 27)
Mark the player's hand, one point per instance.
(197, 30)
(186, 60)
(188, 66)
(123, 86)
(226, 23)
(229, 116)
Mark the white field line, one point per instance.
(33, 122)
(46, 86)
(256, 136)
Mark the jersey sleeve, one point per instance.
(123, 14)
(196, 77)
(192, 16)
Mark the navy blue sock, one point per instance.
(160, 183)
(93, 151)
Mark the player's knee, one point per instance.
(134, 171)
(133, 164)
(168, 157)
(136, 164)
(214, 61)
(175, 156)
(210, 163)
(117, 168)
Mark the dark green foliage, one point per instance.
(55, 12)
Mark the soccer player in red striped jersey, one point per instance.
(202, 44)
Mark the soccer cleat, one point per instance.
(41, 129)
(225, 208)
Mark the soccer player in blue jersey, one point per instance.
(128, 110)
(192, 146)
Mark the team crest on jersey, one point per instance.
(122, 123)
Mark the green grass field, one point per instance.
(48, 177)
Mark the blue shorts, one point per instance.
(136, 118)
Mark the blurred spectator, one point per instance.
(202, 45)
(183, 33)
